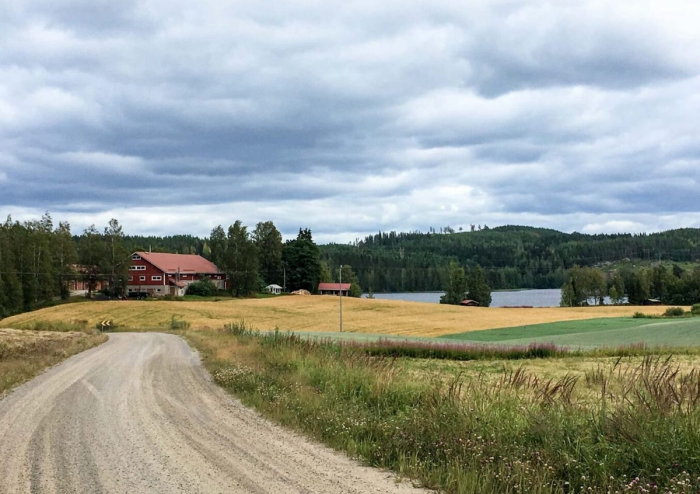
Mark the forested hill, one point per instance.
(513, 256)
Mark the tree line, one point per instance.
(511, 256)
(253, 260)
(668, 284)
(39, 261)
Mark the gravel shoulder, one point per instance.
(140, 414)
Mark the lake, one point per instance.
(534, 298)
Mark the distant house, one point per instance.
(334, 289)
(156, 274)
(652, 301)
(469, 303)
(81, 277)
(274, 289)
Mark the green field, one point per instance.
(594, 333)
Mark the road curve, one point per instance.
(139, 414)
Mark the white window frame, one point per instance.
(137, 268)
(156, 277)
(136, 257)
(142, 278)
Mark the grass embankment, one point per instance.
(25, 354)
(314, 314)
(627, 425)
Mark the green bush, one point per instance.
(176, 323)
(640, 315)
(695, 310)
(674, 312)
(203, 288)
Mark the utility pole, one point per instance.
(340, 291)
(284, 284)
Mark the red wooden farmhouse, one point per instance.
(155, 274)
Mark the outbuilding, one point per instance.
(334, 289)
(274, 289)
(469, 303)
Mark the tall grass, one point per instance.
(80, 325)
(636, 428)
(24, 356)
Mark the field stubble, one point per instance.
(25, 354)
(315, 314)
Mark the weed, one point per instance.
(627, 426)
(176, 323)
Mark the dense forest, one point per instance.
(511, 256)
(40, 259)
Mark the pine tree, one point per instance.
(268, 241)
(241, 261)
(478, 289)
(303, 261)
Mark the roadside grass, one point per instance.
(26, 354)
(622, 425)
(318, 314)
(56, 325)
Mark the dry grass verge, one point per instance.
(317, 313)
(25, 354)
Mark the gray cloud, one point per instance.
(572, 115)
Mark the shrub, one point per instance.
(641, 315)
(674, 312)
(203, 288)
(176, 323)
(695, 310)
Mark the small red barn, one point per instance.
(156, 274)
(334, 288)
(469, 303)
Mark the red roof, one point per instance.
(183, 263)
(322, 287)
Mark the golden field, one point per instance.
(314, 313)
(25, 354)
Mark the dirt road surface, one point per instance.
(139, 414)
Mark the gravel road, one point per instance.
(139, 414)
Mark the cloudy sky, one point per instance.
(351, 117)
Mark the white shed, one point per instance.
(274, 289)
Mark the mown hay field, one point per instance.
(314, 313)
